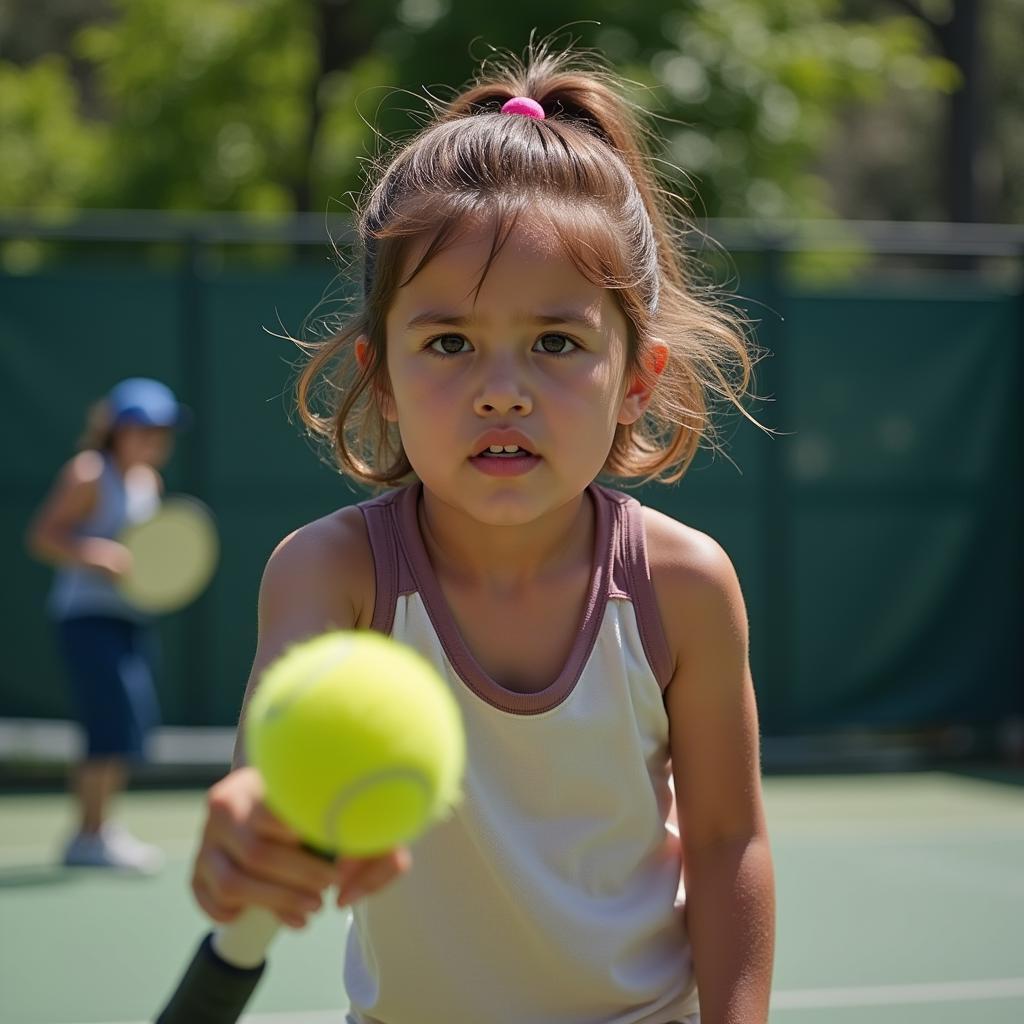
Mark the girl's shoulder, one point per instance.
(694, 580)
(73, 495)
(673, 548)
(83, 469)
(330, 563)
(77, 483)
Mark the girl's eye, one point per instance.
(555, 344)
(447, 344)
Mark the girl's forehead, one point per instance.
(477, 263)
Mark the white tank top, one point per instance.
(553, 893)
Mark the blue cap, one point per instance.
(147, 402)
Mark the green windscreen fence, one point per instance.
(876, 538)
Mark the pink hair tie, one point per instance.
(525, 106)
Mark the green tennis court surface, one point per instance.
(901, 900)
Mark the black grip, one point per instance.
(212, 990)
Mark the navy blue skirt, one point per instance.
(110, 665)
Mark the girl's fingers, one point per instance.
(212, 907)
(361, 877)
(345, 869)
(268, 825)
(233, 802)
(280, 864)
(227, 888)
(249, 856)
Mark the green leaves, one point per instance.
(227, 105)
(51, 153)
(207, 102)
(763, 85)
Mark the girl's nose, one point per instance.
(501, 394)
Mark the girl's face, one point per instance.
(136, 445)
(537, 360)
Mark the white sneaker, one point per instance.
(113, 847)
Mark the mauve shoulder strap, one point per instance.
(379, 516)
(633, 566)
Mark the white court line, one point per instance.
(796, 999)
(898, 995)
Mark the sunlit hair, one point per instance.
(587, 171)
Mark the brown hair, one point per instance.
(99, 430)
(586, 168)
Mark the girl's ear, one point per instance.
(382, 395)
(362, 351)
(638, 395)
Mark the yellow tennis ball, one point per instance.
(358, 740)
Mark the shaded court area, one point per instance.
(901, 898)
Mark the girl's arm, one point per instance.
(51, 534)
(319, 578)
(730, 895)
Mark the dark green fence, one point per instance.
(878, 542)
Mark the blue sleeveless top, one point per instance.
(78, 591)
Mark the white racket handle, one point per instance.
(245, 941)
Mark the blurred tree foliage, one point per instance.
(52, 156)
(893, 160)
(267, 105)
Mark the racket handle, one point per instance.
(224, 972)
(244, 942)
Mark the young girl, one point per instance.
(528, 326)
(106, 643)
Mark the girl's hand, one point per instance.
(108, 557)
(248, 856)
(360, 876)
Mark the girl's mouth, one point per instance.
(504, 451)
(505, 460)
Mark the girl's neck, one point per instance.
(129, 470)
(505, 557)
(121, 464)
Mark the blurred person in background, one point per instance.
(108, 646)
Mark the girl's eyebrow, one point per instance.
(442, 318)
(436, 318)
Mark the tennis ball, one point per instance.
(358, 741)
